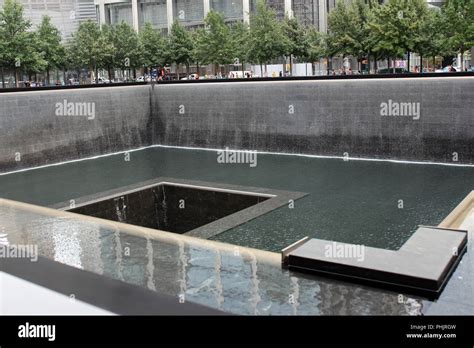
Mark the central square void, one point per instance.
(171, 207)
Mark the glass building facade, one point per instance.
(307, 12)
(66, 15)
(117, 13)
(231, 9)
(153, 12)
(189, 12)
(278, 6)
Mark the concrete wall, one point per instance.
(325, 117)
(30, 128)
(329, 117)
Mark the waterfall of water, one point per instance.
(121, 209)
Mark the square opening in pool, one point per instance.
(170, 207)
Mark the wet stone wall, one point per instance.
(422, 119)
(45, 127)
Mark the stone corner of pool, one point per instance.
(422, 266)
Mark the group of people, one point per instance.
(345, 71)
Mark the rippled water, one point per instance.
(378, 204)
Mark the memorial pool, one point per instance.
(375, 203)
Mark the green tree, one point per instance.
(181, 46)
(109, 60)
(49, 45)
(296, 44)
(316, 46)
(371, 40)
(397, 27)
(432, 39)
(17, 43)
(267, 40)
(35, 61)
(341, 25)
(128, 50)
(154, 47)
(239, 33)
(360, 10)
(199, 54)
(458, 24)
(90, 47)
(213, 43)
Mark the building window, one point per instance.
(231, 9)
(153, 12)
(306, 11)
(116, 13)
(189, 12)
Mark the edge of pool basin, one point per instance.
(276, 199)
(422, 266)
(144, 232)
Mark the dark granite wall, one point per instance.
(321, 117)
(329, 117)
(32, 134)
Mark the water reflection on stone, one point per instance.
(236, 280)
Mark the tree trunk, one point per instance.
(291, 65)
(408, 61)
(261, 70)
(421, 63)
(462, 59)
(47, 78)
(3, 78)
(17, 83)
(375, 64)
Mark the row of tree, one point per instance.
(364, 29)
(399, 27)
